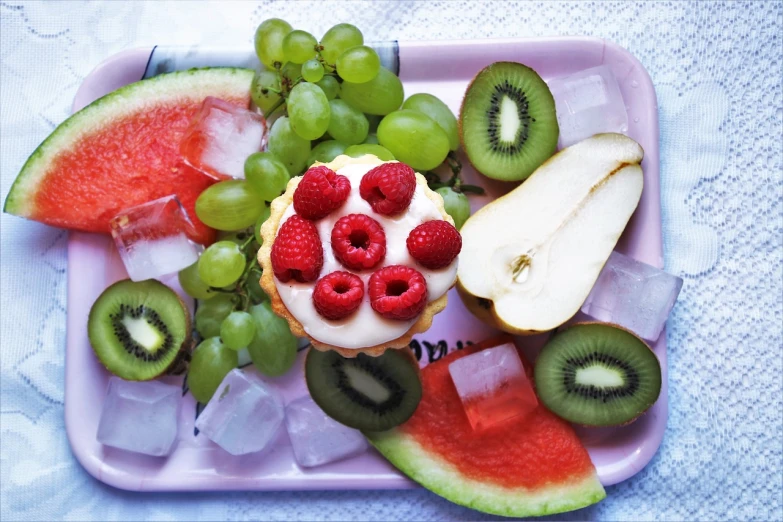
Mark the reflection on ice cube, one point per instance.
(588, 102)
(493, 386)
(634, 295)
(220, 137)
(152, 239)
(244, 415)
(317, 438)
(140, 416)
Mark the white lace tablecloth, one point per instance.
(717, 71)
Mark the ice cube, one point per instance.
(493, 386)
(244, 415)
(152, 239)
(588, 102)
(317, 438)
(140, 416)
(220, 137)
(634, 295)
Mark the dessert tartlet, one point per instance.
(360, 258)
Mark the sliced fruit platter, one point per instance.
(341, 270)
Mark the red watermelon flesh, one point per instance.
(531, 466)
(123, 150)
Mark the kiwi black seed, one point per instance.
(364, 392)
(597, 375)
(138, 328)
(508, 125)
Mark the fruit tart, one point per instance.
(358, 255)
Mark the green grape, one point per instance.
(229, 205)
(273, 349)
(292, 71)
(254, 290)
(237, 330)
(339, 39)
(261, 219)
(269, 41)
(221, 264)
(414, 139)
(266, 175)
(288, 146)
(192, 284)
(358, 64)
(357, 151)
(326, 151)
(330, 86)
(210, 314)
(440, 113)
(381, 95)
(308, 110)
(371, 139)
(260, 90)
(456, 204)
(347, 124)
(211, 362)
(299, 46)
(312, 71)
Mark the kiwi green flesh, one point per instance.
(363, 392)
(508, 123)
(597, 375)
(137, 328)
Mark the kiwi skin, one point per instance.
(178, 362)
(654, 380)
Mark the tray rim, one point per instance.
(116, 66)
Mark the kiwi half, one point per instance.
(138, 328)
(597, 375)
(364, 392)
(507, 123)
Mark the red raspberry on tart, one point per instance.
(381, 231)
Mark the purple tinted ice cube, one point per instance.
(588, 102)
(152, 239)
(634, 295)
(244, 415)
(140, 416)
(317, 438)
(220, 137)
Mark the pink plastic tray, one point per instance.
(440, 68)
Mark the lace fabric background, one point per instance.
(717, 71)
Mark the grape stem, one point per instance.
(455, 182)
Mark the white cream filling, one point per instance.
(365, 327)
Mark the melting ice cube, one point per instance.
(317, 438)
(152, 239)
(140, 416)
(634, 295)
(493, 386)
(220, 137)
(244, 415)
(588, 102)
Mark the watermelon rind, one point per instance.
(444, 479)
(177, 87)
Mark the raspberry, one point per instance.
(434, 244)
(338, 295)
(388, 188)
(358, 242)
(397, 292)
(320, 192)
(297, 252)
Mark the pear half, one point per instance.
(530, 258)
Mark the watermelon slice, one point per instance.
(536, 466)
(123, 150)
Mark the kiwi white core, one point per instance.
(509, 120)
(143, 333)
(599, 376)
(366, 384)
